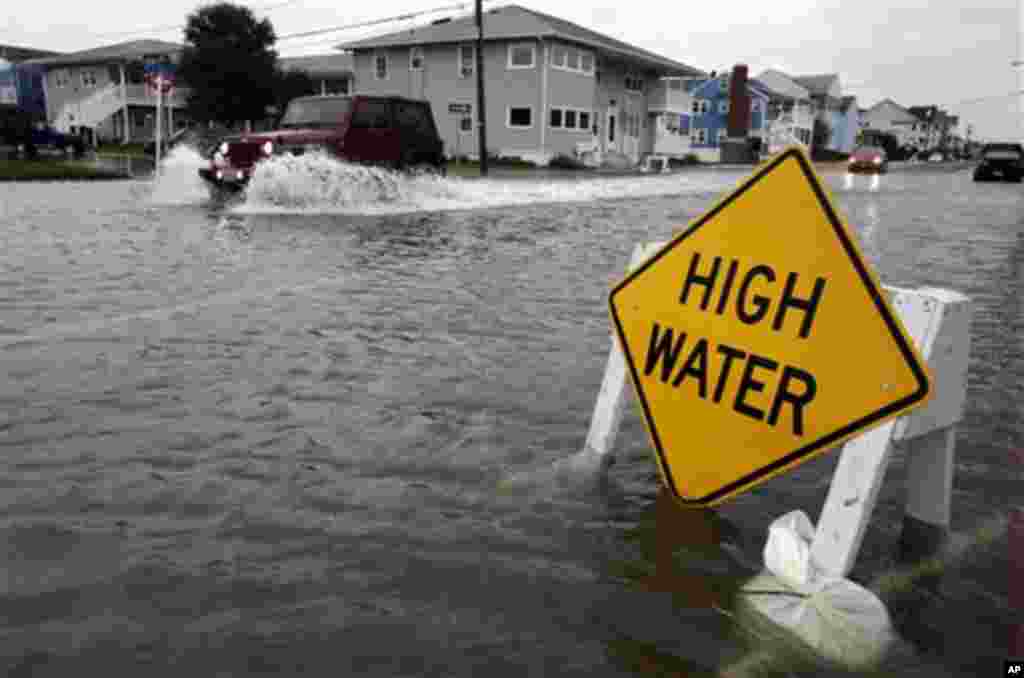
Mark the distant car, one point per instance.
(394, 132)
(869, 160)
(1001, 161)
(28, 135)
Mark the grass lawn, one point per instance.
(132, 149)
(471, 168)
(53, 170)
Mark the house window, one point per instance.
(380, 66)
(558, 56)
(523, 55)
(634, 84)
(569, 118)
(416, 59)
(61, 78)
(88, 78)
(723, 106)
(467, 61)
(466, 123)
(700, 136)
(695, 106)
(676, 85)
(571, 59)
(520, 117)
(335, 86)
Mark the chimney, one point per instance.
(739, 104)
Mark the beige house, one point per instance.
(101, 90)
(332, 73)
(889, 117)
(553, 87)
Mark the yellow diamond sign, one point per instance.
(760, 337)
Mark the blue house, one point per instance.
(846, 125)
(710, 113)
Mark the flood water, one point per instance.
(269, 438)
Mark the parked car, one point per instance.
(394, 132)
(15, 125)
(868, 159)
(1001, 161)
(29, 136)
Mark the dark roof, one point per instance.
(817, 84)
(514, 22)
(15, 54)
(320, 64)
(924, 112)
(134, 49)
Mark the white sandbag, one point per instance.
(840, 620)
(787, 553)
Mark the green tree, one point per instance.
(229, 64)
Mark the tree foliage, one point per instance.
(229, 64)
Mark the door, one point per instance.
(611, 129)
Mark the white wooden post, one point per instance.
(611, 401)
(939, 323)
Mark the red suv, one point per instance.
(394, 132)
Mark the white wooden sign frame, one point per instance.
(938, 320)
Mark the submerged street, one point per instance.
(269, 437)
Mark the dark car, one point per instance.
(394, 132)
(28, 134)
(1000, 161)
(868, 159)
(15, 125)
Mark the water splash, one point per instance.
(178, 181)
(317, 183)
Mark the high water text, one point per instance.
(754, 296)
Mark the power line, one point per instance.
(374, 22)
(176, 27)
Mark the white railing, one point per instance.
(91, 110)
(104, 102)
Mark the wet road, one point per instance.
(267, 439)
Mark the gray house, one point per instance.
(102, 90)
(552, 87)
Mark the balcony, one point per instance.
(138, 95)
(668, 95)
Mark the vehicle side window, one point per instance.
(413, 116)
(426, 120)
(375, 113)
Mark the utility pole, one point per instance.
(481, 110)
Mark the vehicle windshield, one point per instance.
(327, 112)
(866, 150)
(1006, 152)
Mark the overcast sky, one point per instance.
(916, 52)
